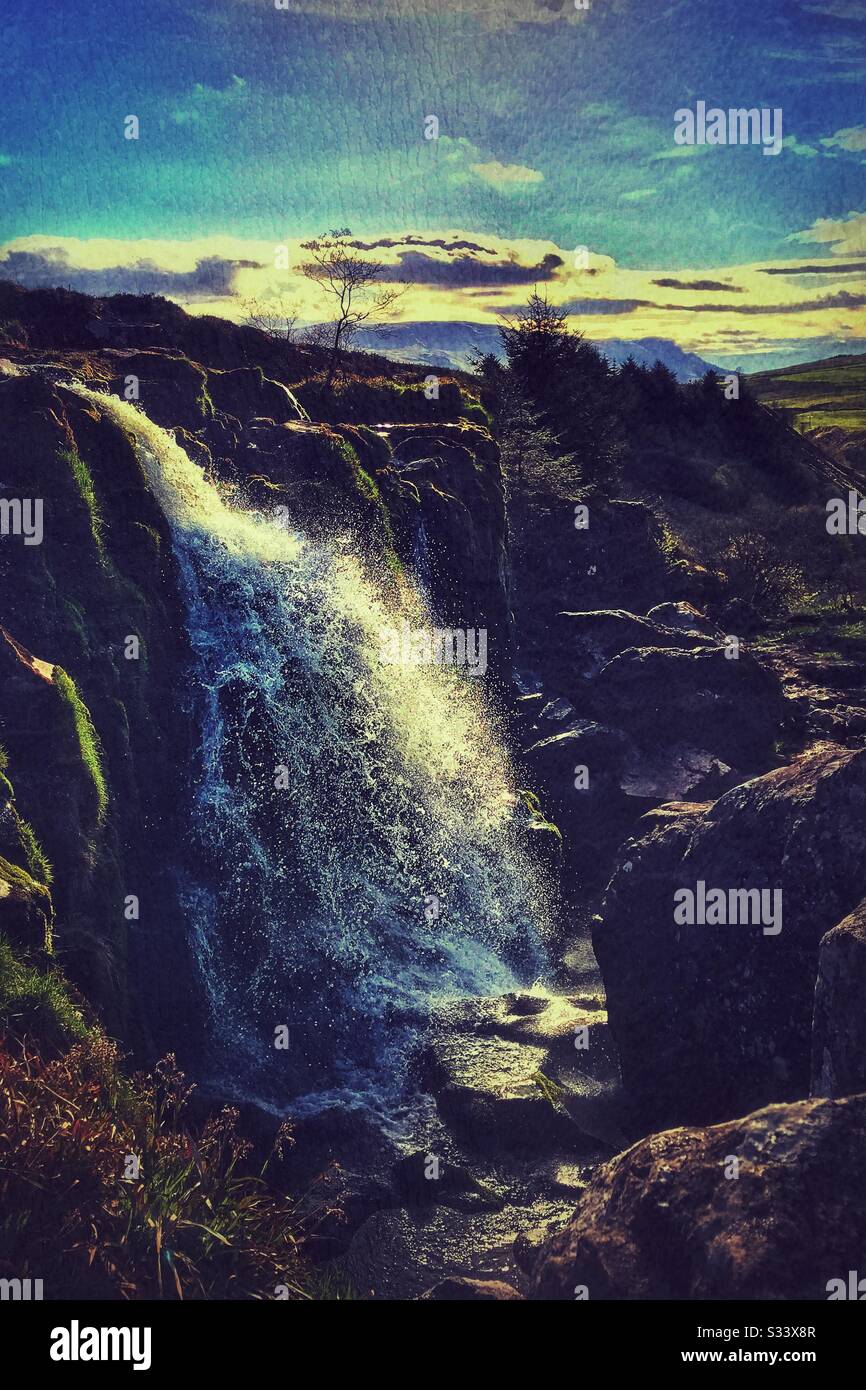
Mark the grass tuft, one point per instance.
(84, 483)
(88, 740)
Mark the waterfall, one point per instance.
(356, 852)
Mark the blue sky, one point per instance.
(260, 125)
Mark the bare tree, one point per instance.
(353, 282)
(275, 317)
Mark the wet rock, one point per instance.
(768, 1206)
(171, 388)
(471, 1291)
(459, 533)
(577, 774)
(523, 1083)
(421, 1179)
(839, 1027)
(715, 1019)
(594, 781)
(588, 641)
(26, 913)
(684, 617)
(402, 1254)
(526, 1004)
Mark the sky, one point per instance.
(264, 122)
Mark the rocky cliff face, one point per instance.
(653, 755)
(93, 655)
(90, 720)
(714, 1017)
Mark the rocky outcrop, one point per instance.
(454, 518)
(839, 1026)
(673, 714)
(247, 393)
(769, 1206)
(525, 1075)
(92, 725)
(588, 641)
(685, 618)
(615, 555)
(314, 472)
(731, 707)
(714, 1018)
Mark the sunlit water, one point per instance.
(389, 871)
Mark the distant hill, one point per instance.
(56, 319)
(454, 344)
(817, 394)
(825, 401)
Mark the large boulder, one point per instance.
(524, 1074)
(171, 389)
(839, 1026)
(577, 773)
(715, 1019)
(769, 1206)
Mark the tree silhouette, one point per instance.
(352, 281)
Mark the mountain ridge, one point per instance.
(452, 343)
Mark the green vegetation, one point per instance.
(554, 404)
(88, 740)
(37, 860)
(107, 1192)
(84, 483)
(37, 1007)
(377, 446)
(537, 817)
(817, 395)
(6, 788)
(553, 1094)
(368, 489)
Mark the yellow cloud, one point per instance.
(473, 276)
(507, 178)
(846, 235)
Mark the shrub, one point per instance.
(760, 575)
(105, 1192)
(13, 334)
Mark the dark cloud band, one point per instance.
(212, 278)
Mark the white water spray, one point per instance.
(356, 849)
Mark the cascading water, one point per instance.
(356, 852)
